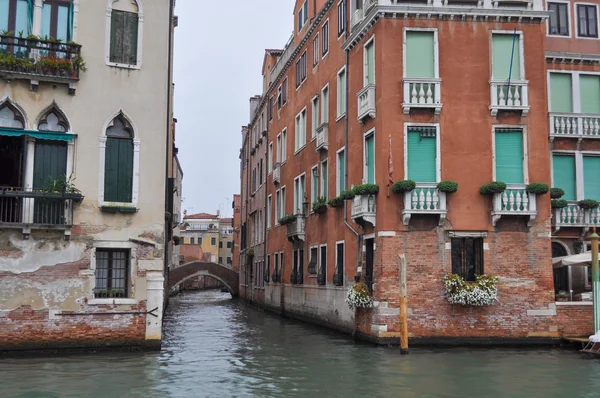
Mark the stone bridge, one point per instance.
(226, 275)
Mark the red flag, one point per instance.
(390, 164)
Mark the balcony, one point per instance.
(576, 217)
(357, 17)
(513, 98)
(38, 60)
(29, 209)
(276, 173)
(514, 201)
(366, 102)
(574, 125)
(364, 209)
(422, 93)
(322, 137)
(295, 229)
(424, 199)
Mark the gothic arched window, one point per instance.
(118, 161)
(10, 117)
(53, 121)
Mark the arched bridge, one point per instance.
(226, 275)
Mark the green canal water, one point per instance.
(218, 347)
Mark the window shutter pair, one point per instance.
(124, 37)
(422, 155)
(118, 170)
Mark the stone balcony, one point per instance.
(514, 201)
(295, 229)
(574, 216)
(423, 200)
(322, 137)
(40, 60)
(511, 98)
(366, 102)
(423, 93)
(574, 125)
(364, 209)
(276, 173)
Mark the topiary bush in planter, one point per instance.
(336, 202)
(287, 219)
(347, 195)
(537, 188)
(447, 186)
(402, 186)
(558, 203)
(320, 206)
(556, 193)
(588, 204)
(492, 188)
(365, 189)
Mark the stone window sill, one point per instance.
(574, 303)
(113, 301)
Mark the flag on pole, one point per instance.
(390, 164)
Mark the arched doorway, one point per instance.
(561, 275)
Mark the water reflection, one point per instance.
(217, 347)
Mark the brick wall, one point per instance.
(575, 320)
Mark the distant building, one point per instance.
(202, 230)
(226, 242)
(237, 216)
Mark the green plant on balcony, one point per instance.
(64, 186)
(6, 32)
(556, 193)
(250, 253)
(365, 189)
(492, 188)
(320, 206)
(538, 188)
(447, 186)
(347, 195)
(558, 203)
(588, 204)
(287, 219)
(402, 186)
(336, 202)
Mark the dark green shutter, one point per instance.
(509, 157)
(50, 163)
(564, 175)
(370, 161)
(591, 172)
(422, 155)
(117, 36)
(118, 170)
(130, 38)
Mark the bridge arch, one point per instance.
(225, 275)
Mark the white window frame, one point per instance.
(365, 165)
(576, 19)
(299, 200)
(140, 38)
(300, 131)
(436, 50)
(575, 86)
(132, 277)
(316, 50)
(314, 189)
(277, 207)
(343, 243)
(302, 11)
(324, 103)
(523, 128)
(339, 112)
(438, 152)
(284, 146)
(270, 158)
(278, 149)
(310, 248)
(323, 55)
(371, 41)
(314, 116)
(337, 169)
(135, 183)
(579, 175)
(269, 210)
(521, 51)
(299, 61)
(569, 21)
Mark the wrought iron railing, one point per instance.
(20, 207)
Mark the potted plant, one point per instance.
(447, 186)
(347, 195)
(562, 296)
(63, 186)
(365, 189)
(492, 188)
(403, 186)
(481, 292)
(588, 204)
(287, 219)
(320, 206)
(336, 202)
(559, 203)
(358, 296)
(537, 188)
(556, 193)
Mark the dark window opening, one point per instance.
(312, 264)
(338, 276)
(559, 22)
(370, 249)
(467, 257)
(322, 275)
(587, 23)
(112, 271)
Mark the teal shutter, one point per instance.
(590, 93)
(509, 157)
(563, 167)
(370, 161)
(117, 29)
(561, 94)
(422, 155)
(50, 163)
(591, 177)
(342, 171)
(324, 170)
(370, 49)
(4, 14)
(502, 47)
(118, 170)
(420, 49)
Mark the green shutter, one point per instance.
(370, 161)
(591, 177)
(561, 94)
(563, 167)
(509, 157)
(325, 170)
(502, 46)
(118, 170)
(422, 155)
(130, 41)
(420, 51)
(370, 63)
(589, 87)
(342, 171)
(117, 33)
(50, 163)
(315, 188)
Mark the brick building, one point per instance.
(377, 91)
(237, 217)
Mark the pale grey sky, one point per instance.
(219, 48)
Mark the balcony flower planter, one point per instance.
(588, 204)
(287, 219)
(537, 188)
(347, 195)
(559, 203)
(481, 292)
(358, 296)
(119, 209)
(447, 186)
(556, 193)
(336, 202)
(320, 206)
(492, 188)
(365, 189)
(403, 186)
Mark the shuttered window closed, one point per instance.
(118, 171)
(422, 155)
(502, 51)
(561, 95)
(420, 49)
(124, 37)
(509, 157)
(564, 175)
(591, 169)
(370, 159)
(590, 93)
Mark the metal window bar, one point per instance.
(35, 207)
(112, 270)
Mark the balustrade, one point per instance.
(295, 229)
(322, 137)
(276, 173)
(422, 93)
(574, 125)
(513, 97)
(574, 216)
(514, 201)
(364, 209)
(366, 102)
(424, 199)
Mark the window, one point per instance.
(192, 240)
(369, 63)
(341, 92)
(561, 94)
(284, 90)
(341, 172)
(467, 257)
(315, 116)
(279, 97)
(270, 110)
(303, 16)
(338, 276)
(15, 16)
(325, 104)
(260, 172)
(369, 170)
(312, 262)
(112, 273)
(589, 89)
(321, 280)
(422, 154)
(10, 117)
(229, 262)
(54, 120)
(301, 69)
(268, 270)
(341, 17)
(283, 145)
(277, 206)
(213, 241)
(220, 260)
(270, 157)
(559, 19)
(591, 186)
(587, 22)
(314, 186)
(57, 19)
(269, 209)
(278, 149)
(200, 240)
(325, 38)
(283, 201)
(316, 54)
(564, 176)
(299, 191)
(220, 245)
(324, 178)
(502, 52)
(229, 245)
(124, 33)
(119, 161)
(509, 156)
(300, 133)
(298, 270)
(420, 54)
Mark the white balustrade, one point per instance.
(366, 102)
(422, 93)
(364, 208)
(513, 97)
(574, 125)
(424, 199)
(322, 137)
(574, 216)
(276, 173)
(295, 229)
(357, 18)
(514, 201)
(594, 217)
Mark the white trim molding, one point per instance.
(140, 42)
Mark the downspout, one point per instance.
(266, 198)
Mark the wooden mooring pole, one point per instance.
(403, 304)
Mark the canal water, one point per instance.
(218, 347)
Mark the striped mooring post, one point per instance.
(595, 280)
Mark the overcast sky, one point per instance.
(219, 48)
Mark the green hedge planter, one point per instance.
(448, 186)
(588, 204)
(558, 203)
(556, 193)
(365, 189)
(492, 188)
(287, 219)
(537, 188)
(404, 186)
(336, 202)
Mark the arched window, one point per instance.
(10, 117)
(54, 120)
(119, 161)
(125, 20)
